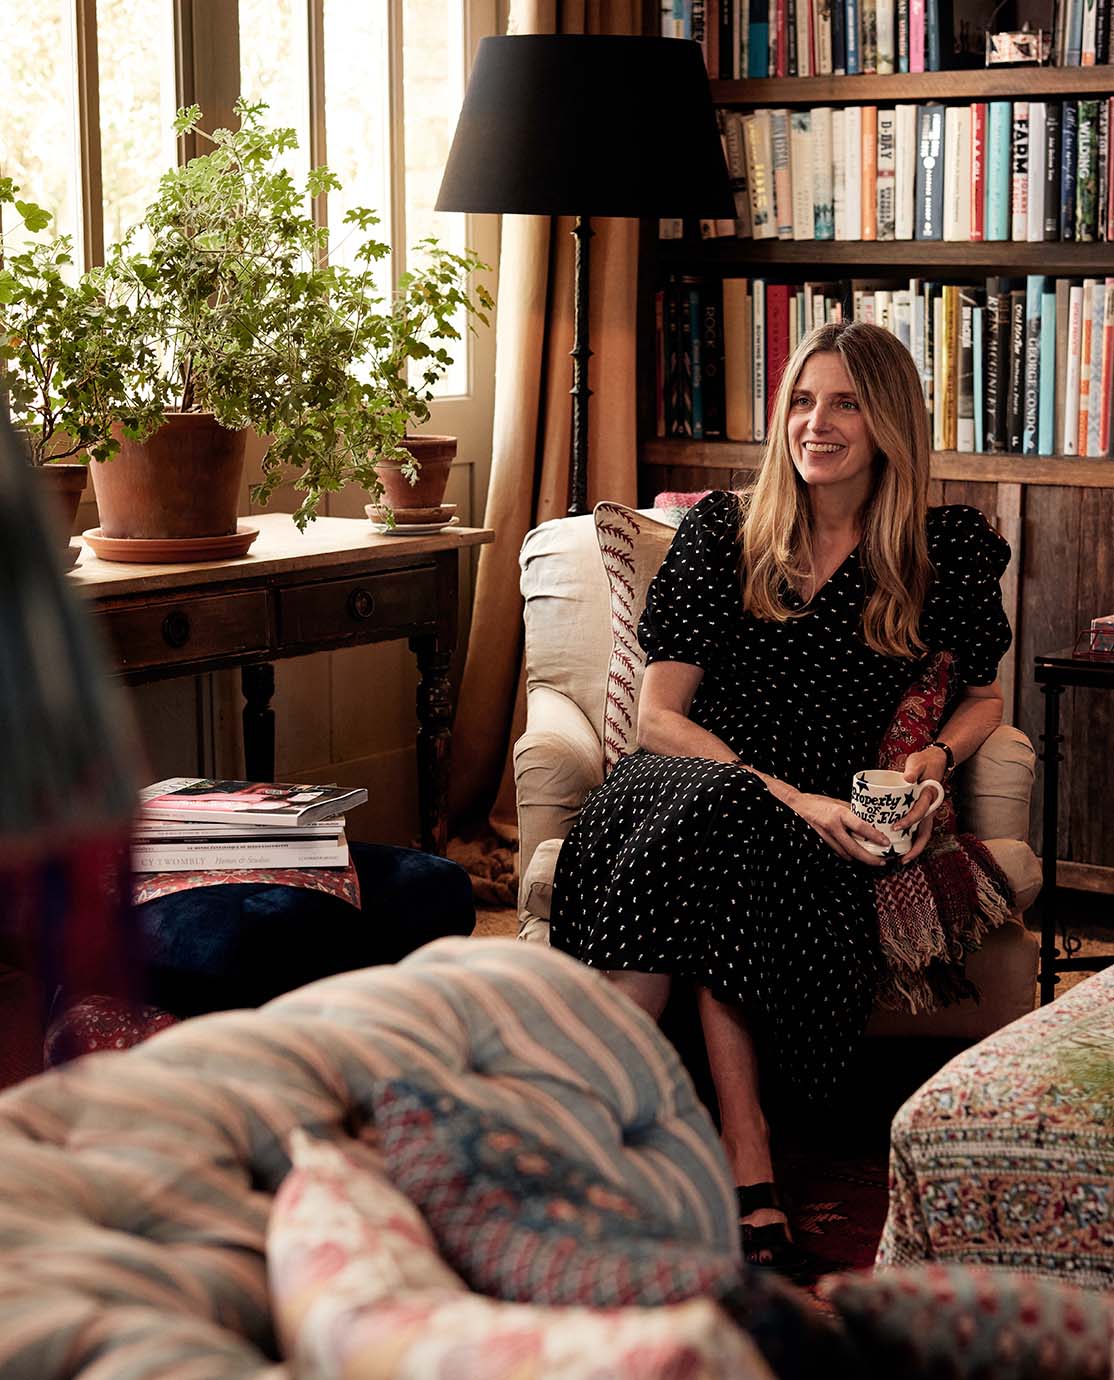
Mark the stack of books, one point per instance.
(193, 824)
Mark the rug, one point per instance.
(837, 1205)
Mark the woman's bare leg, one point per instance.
(648, 990)
(734, 1068)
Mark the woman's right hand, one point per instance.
(840, 828)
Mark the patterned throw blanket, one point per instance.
(936, 911)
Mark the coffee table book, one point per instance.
(168, 845)
(278, 804)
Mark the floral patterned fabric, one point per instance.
(341, 882)
(1006, 1156)
(360, 1293)
(954, 1322)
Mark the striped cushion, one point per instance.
(135, 1187)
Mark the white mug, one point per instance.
(883, 799)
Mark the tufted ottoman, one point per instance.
(135, 1187)
(1006, 1156)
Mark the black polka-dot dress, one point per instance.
(687, 866)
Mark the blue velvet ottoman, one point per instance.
(218, 947)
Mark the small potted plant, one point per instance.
(234, 320)
(43, 313)
(425, 313)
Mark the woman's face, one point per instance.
(828, 437)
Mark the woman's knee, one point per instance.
(650, 991)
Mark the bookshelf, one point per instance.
(1056, 511)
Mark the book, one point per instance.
(777, 340)
(978, 358)
(1086, 172)
(957, 173)
(738, 376)
(978, 171)
(1069, 443)
(901, 34)
(759, 174)
(839, 176)
(1069, 121)
(711, 359)
(1046, 428)
(868, 189)
(965, 385)
(177, 846)
(885, 31)
(823, 211)
(1086, 345)
(1015, 396)
(886, 175)
(1030, 406)
(1052, 116)
(1106, 372)
(1098, 323)
(1019, 172)
(1063, 312)
(851, 28)
(905, 171)
(1037, 154)
(246, 802)
(853, 159)
(916, 35)
(783, 177)
(758, 357)
(997, 174)
(695, 340)
(868, 36)
(997, 363)
(803, 171)
(930, 159)
(736, 158)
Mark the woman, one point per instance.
(780, 634)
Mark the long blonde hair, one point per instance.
(775, 534)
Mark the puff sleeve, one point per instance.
(969, 619)
(696, 593)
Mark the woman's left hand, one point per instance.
(930, 764)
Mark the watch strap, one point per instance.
(949, 756)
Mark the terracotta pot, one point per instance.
(65, 484)
(184, 481)
(435, 455)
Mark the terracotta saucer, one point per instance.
(404, 517)
(171, 550)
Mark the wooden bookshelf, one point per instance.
(980, 84)
(1068, 471)
(1055, 258)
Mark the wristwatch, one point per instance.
(949, 757)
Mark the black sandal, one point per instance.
(785, 1256)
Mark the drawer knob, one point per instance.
(361, 603)
(176, 629)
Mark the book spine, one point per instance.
(868, 187)
(978, 366)
(939, 426)
(839, 174)
(1069, 125)
(735, 154)
(660, 352)
(950, 359)
(1074, 33)
(779, 46)
(978, 171)
(1103, 178)
(1088, 35)
(1069, 443)
(886, 26)
(674, 391)
(932, 36)
(711, 360)
(758, 39)
(800, 150)
(824, 55)
(1035, 228)
(998, 171)
(965, 388)
(905, 172)
(929, 193)
(851, 25)
(1086, 171)
(758, 357)
(1086, 344)
(1046, 426)
(758, 175)
(696, 362)
(957, 173)
(235, 857)
(1098, 322)
(901, 25)
(839, 38)
(783, 180)
(886, 173)
(868, 36)
(916, 35)
(823, 210)
(804, 47)
(1063, 300)
(1015, 399)
(1052, 119)
(1019, 172)
(997, 363)
(1034, 291)
(791, 60)
(736, 358)
(1106, 377)
(777, 341)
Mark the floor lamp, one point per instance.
(585, 125)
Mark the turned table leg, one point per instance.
(258, 686)
(435, 716)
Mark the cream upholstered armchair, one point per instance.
(584, 582)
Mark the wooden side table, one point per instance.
(1055, 672)
(337, 585)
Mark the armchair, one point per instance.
(561, 755)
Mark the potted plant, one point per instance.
(233, 318)
(425, 312)
(43, 313)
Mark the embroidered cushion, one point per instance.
(360, 1293)
(954, 1322)
(632, 546)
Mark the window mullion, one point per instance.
(396, 134)
(318, 154)
(90, 191)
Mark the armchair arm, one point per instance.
(557, 761)
(997, 784)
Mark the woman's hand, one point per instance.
(840, 828)
(931, 764)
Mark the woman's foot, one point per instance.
(764, 1229)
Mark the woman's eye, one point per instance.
(851, 403)
(799, 402)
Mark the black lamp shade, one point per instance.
(572, 124)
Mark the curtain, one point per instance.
(532, 431)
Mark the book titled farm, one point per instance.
(246, 802)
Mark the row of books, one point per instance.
(1022, 366)
(806, 38)
(192, 824)
(988, 170)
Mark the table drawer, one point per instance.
(173, 631)
(336, 610)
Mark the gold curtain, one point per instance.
(532, 427)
